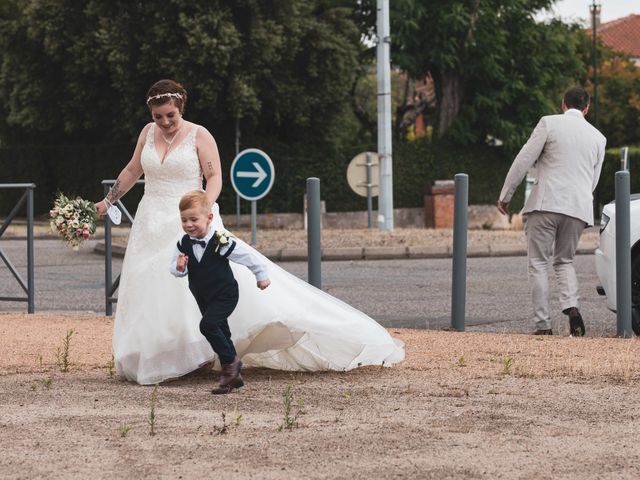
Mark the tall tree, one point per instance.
(496, 69)
(79, 69)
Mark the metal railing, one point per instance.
(29, 287)
(110, 286)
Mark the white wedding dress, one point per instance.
(289, 326)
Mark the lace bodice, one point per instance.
(178, 174)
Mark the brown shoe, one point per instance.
(543, 331)
(230, 377)
(235, 383)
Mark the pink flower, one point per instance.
(85, 234)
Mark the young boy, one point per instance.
(211, 281)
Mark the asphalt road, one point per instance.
(397, 293)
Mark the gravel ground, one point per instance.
(470, 405)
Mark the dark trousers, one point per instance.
(215, 327)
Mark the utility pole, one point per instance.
(595, 8)
(383, 55)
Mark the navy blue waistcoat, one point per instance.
(211, 278)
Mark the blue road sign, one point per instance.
(252, 174)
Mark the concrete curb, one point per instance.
(385, 253)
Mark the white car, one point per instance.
(606, 254)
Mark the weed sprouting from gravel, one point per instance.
(507, 363)
(292, 409)
(224, 428)
(111, 367)
(62, 354)
(152, 411)
(461, 361)
(46, 383)
(124, 430)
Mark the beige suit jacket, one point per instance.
(568, 153)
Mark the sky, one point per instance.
(576, 10)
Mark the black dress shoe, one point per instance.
(576, 325)
(543, 331)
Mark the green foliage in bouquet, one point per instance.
(73, 219)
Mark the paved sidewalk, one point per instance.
(357, 244)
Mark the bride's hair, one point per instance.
(165, 91)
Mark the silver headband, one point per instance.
(163, 95)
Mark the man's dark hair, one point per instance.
(577, 98)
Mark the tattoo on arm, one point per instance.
(115, 193)
(210, 166)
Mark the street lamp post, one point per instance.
(594, 8)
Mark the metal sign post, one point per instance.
(252, 176)
(363, 176)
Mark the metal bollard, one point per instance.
(459, 275)
(623, 255)
(314, 251)
(108, 257)
(369, 191)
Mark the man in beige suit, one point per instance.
(568, 153)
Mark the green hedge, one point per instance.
(79, 169)
(609, 169)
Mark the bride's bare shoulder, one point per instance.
(203, 136)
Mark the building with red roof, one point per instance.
(622, 35)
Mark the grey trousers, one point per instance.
(552, 236)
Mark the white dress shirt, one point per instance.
(242, 254)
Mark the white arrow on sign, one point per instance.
(259, 174)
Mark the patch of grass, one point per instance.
(461, 361)
(111, 367)
(292, 409)
(507, 363)
(124, 430)
(152, 420)
(237, 419)
(46, 383)
(62, 354)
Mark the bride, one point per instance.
(290, 326)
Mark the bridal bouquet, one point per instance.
(73, 219)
